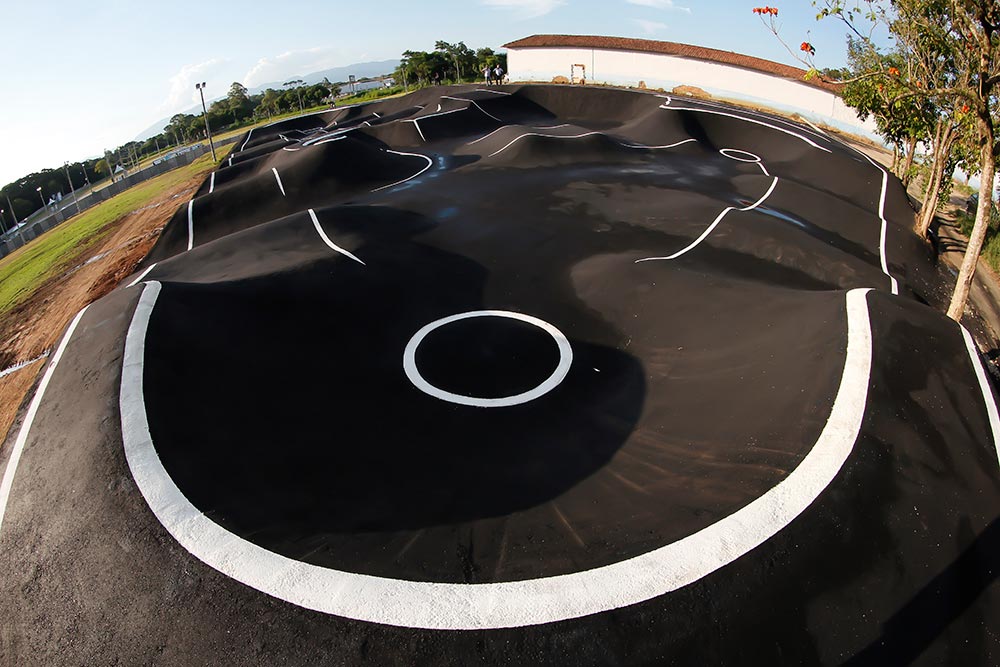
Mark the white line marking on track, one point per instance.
(281, 187)
(190, 224)
(748, 120)
(417, 125)
(495, 92)
(685, 141)
(984, 387)
(450, 606)
(326, 239)
(429, 164)
(29, 417)
(211, 184)
(243, 147)
(885, 223)
(547, 136)
(547, 385)
(142, 275)
(474, 103)
(711, 227)
(770, 118)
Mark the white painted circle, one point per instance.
(729, 153)
(448, 606)
(550, 383)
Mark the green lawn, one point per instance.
(26, 269)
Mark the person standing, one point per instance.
(488, 75)
(498, 74)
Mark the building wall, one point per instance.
(627, 68)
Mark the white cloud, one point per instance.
(650, 27)
(661, 4)
(292, 63)
(526, 9)
(182, 91)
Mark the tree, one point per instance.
(951, 56)
(295, 84)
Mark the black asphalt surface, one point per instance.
(280, 405)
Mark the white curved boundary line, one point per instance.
(885, 223)
(211, 184)
(277, 177)
(447, 606)
(326, 239)
(29, 417)
(474, 103)
(429, 163)
(190, 224)
(243, 147)
(748, 120)
(547, 385)
(714, 224)
(138, 279)
(984, 387)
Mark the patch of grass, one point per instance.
(25, 270)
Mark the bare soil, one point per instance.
(35, 326)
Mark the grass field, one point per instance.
(24, 270)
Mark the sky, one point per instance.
(77, 78)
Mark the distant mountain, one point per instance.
(336, 74)
(360, 70)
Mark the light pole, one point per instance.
(71, 188)
(2, 211)
(201, 89)
(41, 198)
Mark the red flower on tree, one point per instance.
(773, 11)
(893, 71)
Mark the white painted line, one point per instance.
(211, 184)
(487, 136)
(763, 168)
(885, 223)
(24, 364)
(748, 120)
(495, 92)
(771, 118)
(29, 417)
(243, 147)
(375, 113)
(439, 106)
(230, 160)
(547, 136)
(429, 163)
(686, 141)
(474, 103)
(547, 385)
(326, 239)
(450, 606)
(328, 140)
(190, 224)
(415, 123)
(290, 150)
(281, 187)
(142, 275)
(820, 131)
(984, 387)
(738, 155)
(712, 226)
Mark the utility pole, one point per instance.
(71, 188)
(16, 223)
(1, 222)
(201, 89)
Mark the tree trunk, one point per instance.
(911, 148)
(968, 270)
(945, 140)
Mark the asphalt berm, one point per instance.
(518, 375)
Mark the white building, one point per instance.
(723, 74)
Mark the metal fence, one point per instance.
(31, 230)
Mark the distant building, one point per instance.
(667, 65)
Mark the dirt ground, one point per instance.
(35, 326)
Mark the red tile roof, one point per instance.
(672, 49)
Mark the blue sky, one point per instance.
(80, 77)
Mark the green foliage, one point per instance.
(24, 270)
